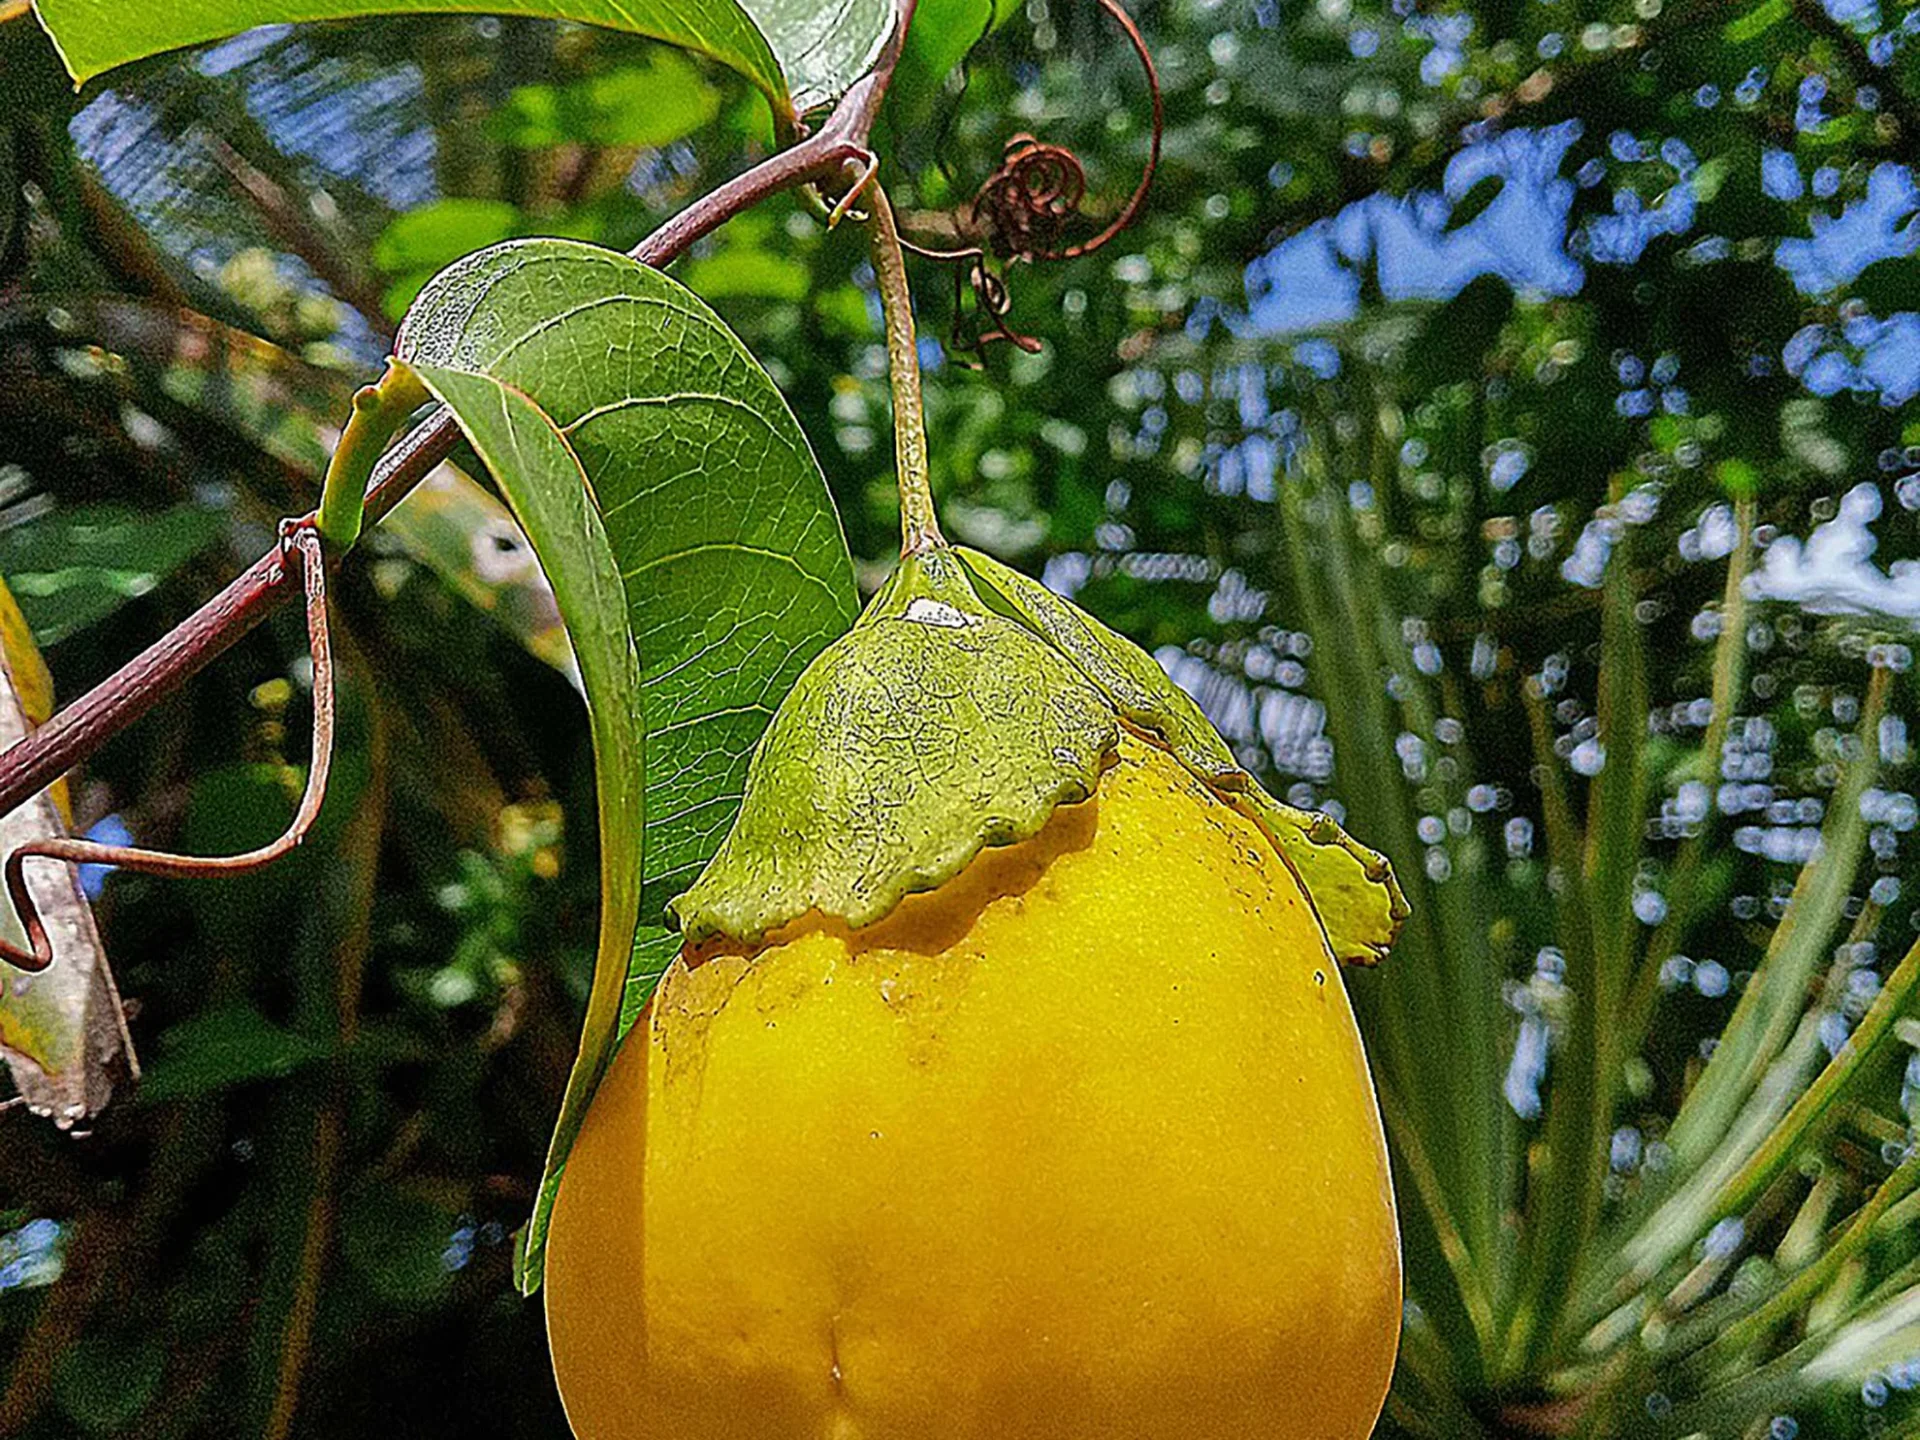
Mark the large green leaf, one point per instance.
(942, 33)
(715, 518)
(554, 502)
(799, 53)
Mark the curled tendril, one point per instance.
(1025, 205)
(1023, 213)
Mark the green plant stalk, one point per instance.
(1901, 1217)
(919, 526)
(1776, 1143)
(1729, 671)
(1894, 1222)
(1580, 1118)
(1596, 866)
(1808, 1283)
(1345, 613)
(1772, 1100)
(1801, 1245)
(1448, 946)
(1465, 962)
(1616, 799)
(1453, 1246)
(1785, 1139)
(1572, 1138)
(1767, 1010)
(1687, 1213)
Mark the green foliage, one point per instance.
(221, 1048)
(1424, 558)
(74, 571)
(652, 103)
(798, 54)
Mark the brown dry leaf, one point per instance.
(62, 1030)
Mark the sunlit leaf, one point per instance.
(740, 271)
(942, 33)
(440, 233)
(652, 103)
(1753, 23)
(800, 54)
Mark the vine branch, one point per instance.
(301, 538)
(837, 152)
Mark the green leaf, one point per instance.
(652, 103)
(469, 539)
(1470, 206)
(848, 818)
(440, 233)
(9, 193)
(942, 33)
(396, 1241)
(743, 270)
(219, 1049)
(103, 1382)
(800, 54)
(74, 567)
(716, 520)
(1755, 22)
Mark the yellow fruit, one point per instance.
(1080, 1146)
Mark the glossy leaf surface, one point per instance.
(798, 54)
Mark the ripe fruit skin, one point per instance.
(1079, 1146)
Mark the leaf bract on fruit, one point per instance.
(932, 730)
(969, 703)
(1361, 905)
(693, 550)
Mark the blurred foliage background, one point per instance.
(1500, 419)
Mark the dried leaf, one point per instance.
(62, 1030)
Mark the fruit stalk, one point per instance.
(919, 527)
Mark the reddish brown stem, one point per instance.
(303, 539)
(127, 694)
